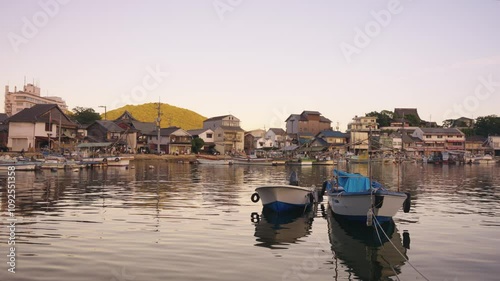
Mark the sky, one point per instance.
(259, 60)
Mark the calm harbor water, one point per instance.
(188, 222)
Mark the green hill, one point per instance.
(171, 115)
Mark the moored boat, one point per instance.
(356, 197)
(281, 198)
(19, 166)
(213, 160)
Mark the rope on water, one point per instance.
(385, 234)
(382, 245)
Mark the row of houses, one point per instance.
(46, 126)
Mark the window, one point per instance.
(450, 137)
(48, 127)
(209, 136)
(428, 137)
(440, 137)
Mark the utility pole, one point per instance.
(158, 127)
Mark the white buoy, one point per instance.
(76, 170)
(369, 218)
(151, 167)
(132, 167)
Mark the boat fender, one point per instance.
(406, 239)
(255, 217)
(323, 188)
(407, 203)
(369, 218)
(117, 159)
(255, 197)
(310, 197)
(379, 201)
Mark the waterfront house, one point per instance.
(307, 122)
(277, 137)
(135, 131)
(41, 126)
(228, 135)
(4, 132)
(494, 143)
(359, 130)
(437, 140)
(207, 135)
(173, 140)
(477, 145)
(105, 131)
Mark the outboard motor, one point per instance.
(294, 179)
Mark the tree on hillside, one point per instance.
(384, 118)
(196, 144)
(487, 125)
(84, 115)
(413, 120)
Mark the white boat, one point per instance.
(354, 196)
(281, 198)
(19, 166)
(53, 164)
(485, 159)
(213, 161)
(116, 161)
(252, 161)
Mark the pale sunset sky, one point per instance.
(259, 60)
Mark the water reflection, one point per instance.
(276, 230)
(365, 254)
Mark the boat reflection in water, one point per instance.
(358, 247)
(275, 230)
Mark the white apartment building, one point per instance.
(29, 96)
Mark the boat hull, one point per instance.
(214, 161)
(18, 166)
(283, 198)
(355, 206)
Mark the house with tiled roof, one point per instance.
(173, 140)
(440, 139)
(277, 137)
(40, 126)
(135, 130)
(105, 131)
(228, 135)
(307, 122)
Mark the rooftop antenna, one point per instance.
(24, 80)
(337, 127)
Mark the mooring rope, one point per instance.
(385, 234)
(382, 245)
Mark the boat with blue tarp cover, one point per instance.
(359, 198)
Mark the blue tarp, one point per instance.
(354, 182)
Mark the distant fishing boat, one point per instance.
(213, 160)
(281, 198)
(358, 198)
(252, 161)
(19, 166)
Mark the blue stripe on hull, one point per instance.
(363, 218)
(283, 207)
